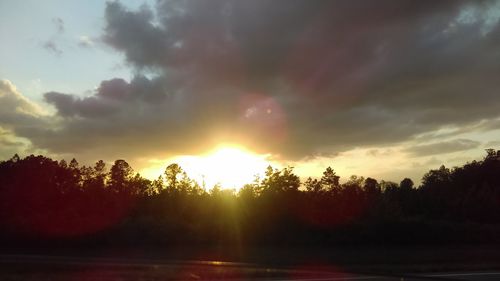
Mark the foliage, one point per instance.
(45, 198)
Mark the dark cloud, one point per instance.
(443, 147)
(111, 97)
(295, 78)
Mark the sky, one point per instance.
(387, 89)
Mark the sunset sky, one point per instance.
(385, 89)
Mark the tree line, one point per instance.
(44, 200)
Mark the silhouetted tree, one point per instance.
(280, 181)
(140, 186)
(313, 186)
(330, 181)
(435, 179)
(371, 186)
(157, 186)
(14, 158)
(172, 173)
(40, 197)
(119, 176)
(406, 184)
(247, 192)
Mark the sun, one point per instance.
(230, 166)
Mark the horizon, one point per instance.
(196, 173)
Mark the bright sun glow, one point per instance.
(228, 165)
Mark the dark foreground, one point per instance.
(42, 267)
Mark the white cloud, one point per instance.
(85, 41)
(14, 103)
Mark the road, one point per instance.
(40, 268)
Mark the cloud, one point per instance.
(295, 78)
(51, 46)
(443, 147)
(13, 105)
(492, 144)
(85, 42)
(10, 144)
(16, 113)
(59, 24)
(112, 96)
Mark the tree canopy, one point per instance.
(47, 198)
